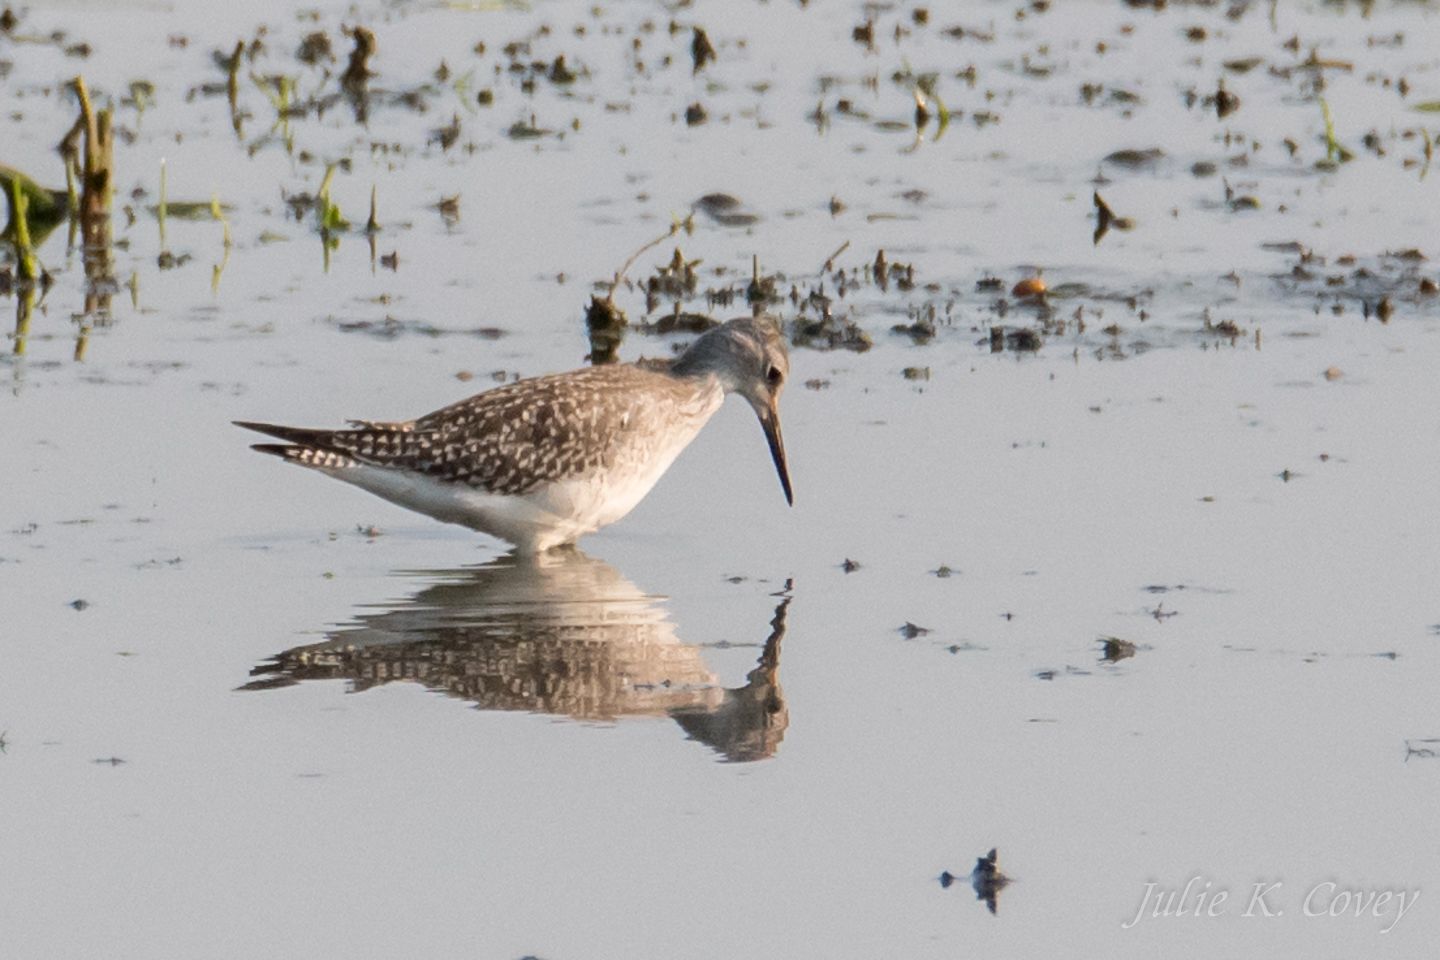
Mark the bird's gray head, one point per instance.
(748, 357)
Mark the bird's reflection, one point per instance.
(563, 634)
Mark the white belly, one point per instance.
(548, 515)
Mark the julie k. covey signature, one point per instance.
(1268, 898)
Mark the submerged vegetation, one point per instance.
(44, 209)
(1101, 315)
(915, 90)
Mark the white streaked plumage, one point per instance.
(541, 462)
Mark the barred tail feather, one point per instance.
(286, 450)
(305, 436)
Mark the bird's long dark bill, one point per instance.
(770, 421)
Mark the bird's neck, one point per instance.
(710, 391)
(709, 352)
(708, 359)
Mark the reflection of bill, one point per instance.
(561, 634)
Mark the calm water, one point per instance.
(248, 711)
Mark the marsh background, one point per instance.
(1141, 579)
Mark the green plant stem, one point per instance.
(24, 255)
(161, 211)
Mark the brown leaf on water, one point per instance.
(1029, 287)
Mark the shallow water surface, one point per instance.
(1132, 582)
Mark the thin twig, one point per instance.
(163, 208)
(88, 113)
(674, 229)
(830, 260)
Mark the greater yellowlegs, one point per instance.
(541, 462)
(562, 634)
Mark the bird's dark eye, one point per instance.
(773, 376)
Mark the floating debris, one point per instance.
(1114, 649)
(676, 279)
(830, 333)
(527, 130)
(448, 134)
(449, 208)
(1224, 102)
(605, 324)
(1031, 287)
(679, 321)
(1145, 159)
(1160, 614)
(357, 72)
(560, 73)
(865, 34)
(921, 331)
(315, 47)
(1016, 339)
(390, 328)
(1225, 328)
(702, 51)
(1105, 219)
(985, 879)
(726, 210)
